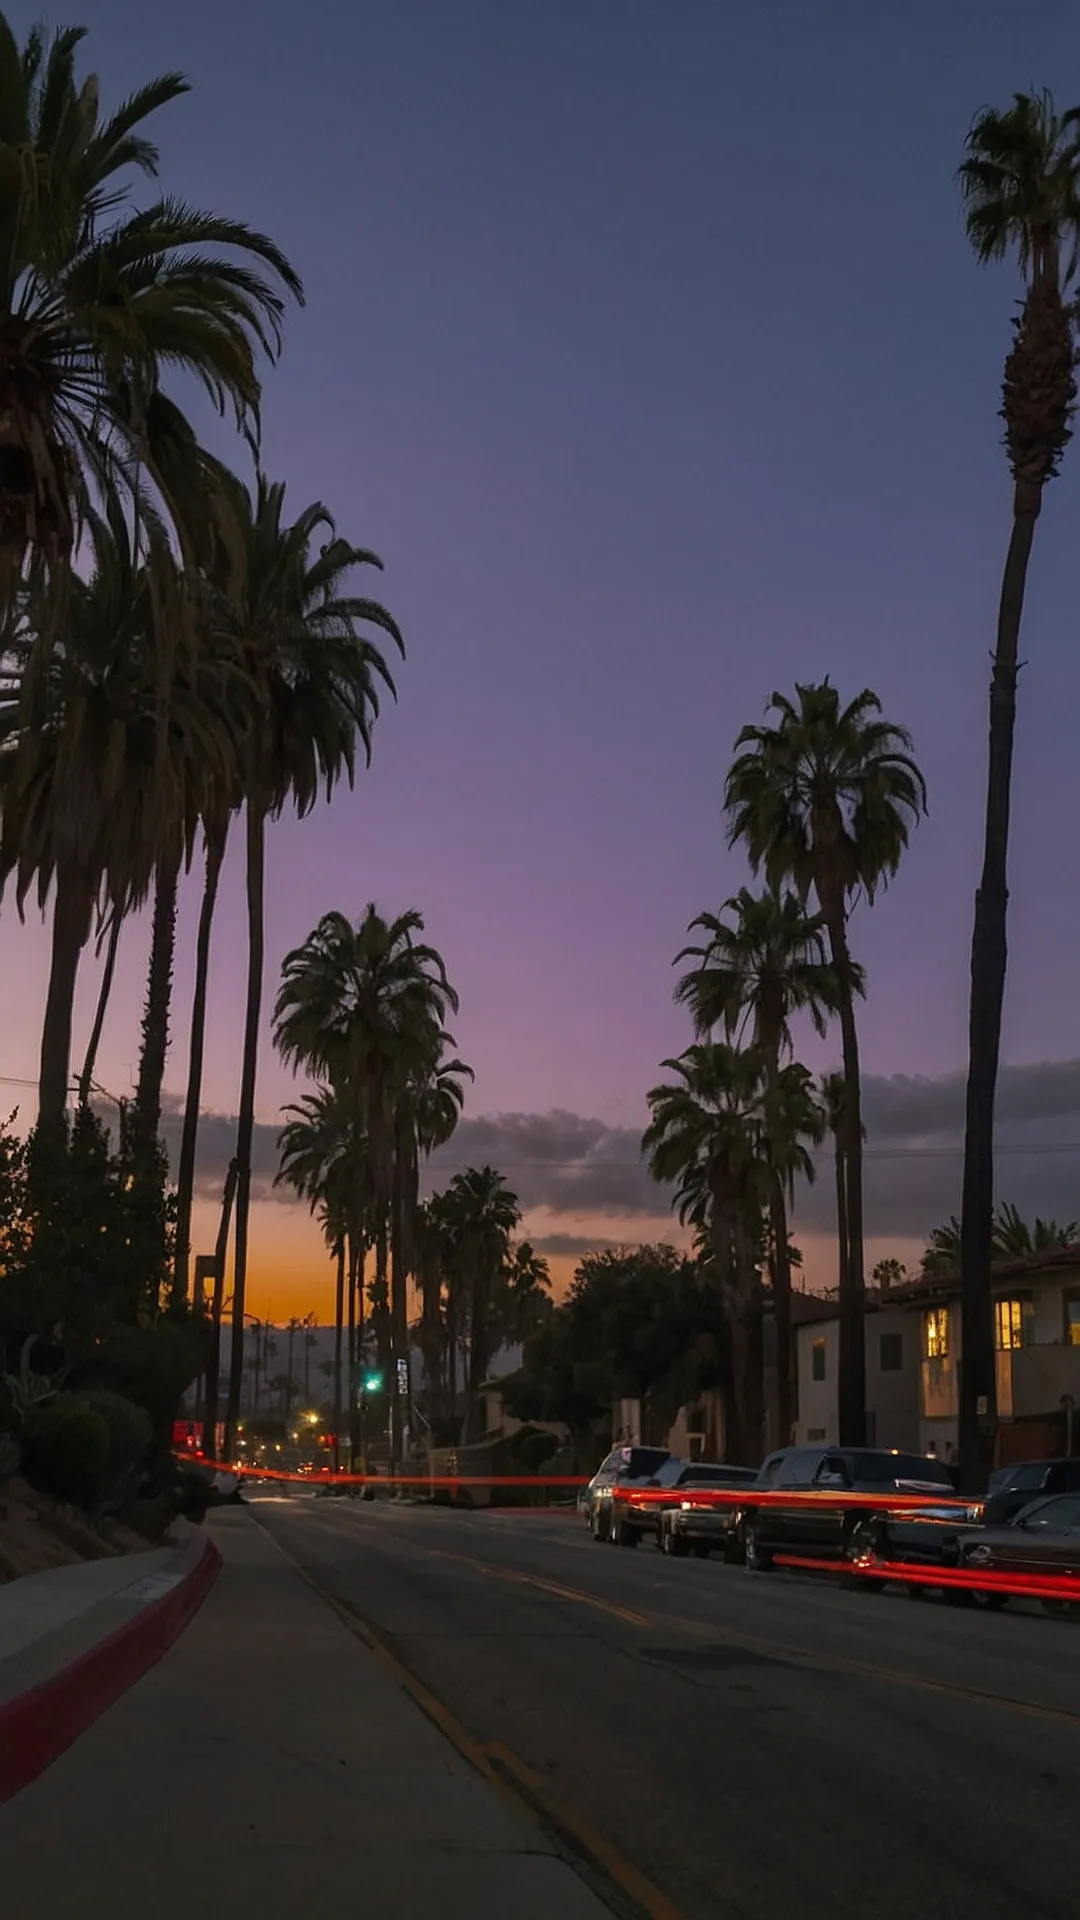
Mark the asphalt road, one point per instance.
(761, 1747)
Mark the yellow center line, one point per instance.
(525, 1789)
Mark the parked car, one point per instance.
(1014, 1488)
(632, 1465)
(1044, 1538)
(925, 1537)
(690, 1526)
(822, 1528)
(633, 1517)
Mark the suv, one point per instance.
(822, 1528)
(1013, 1488)
(629, 1466)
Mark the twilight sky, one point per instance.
(644, 345)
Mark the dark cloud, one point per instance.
(569, 1164)
(577, 1244)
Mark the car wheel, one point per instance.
(755, 1556)
(1062, 1609)
(701, 1549)
(861, 1545)
(989, 1600)
(958, 1596)
(599, 1526)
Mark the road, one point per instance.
(760, 1747)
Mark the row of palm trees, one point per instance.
(361, 1009)
(179, 652)
(823, 797)
(1020, 188)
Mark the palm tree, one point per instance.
(314, 678)
(99, 300)
(825, 797)
(97, 740)
(757, 973)
(834, 1101)
(482, 1213)
(724, 1134)
(1015, 1240)
(1020, 183)
(364, 1005)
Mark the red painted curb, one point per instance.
(39, 1725)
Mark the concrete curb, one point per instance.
(37, 1726)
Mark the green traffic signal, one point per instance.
(372, 1382)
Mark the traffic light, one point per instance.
(372, 1382)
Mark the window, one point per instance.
(936, 1333)
(817, 1360)
(815, 1433)
(1072, 1319)
(891, 1351)
(1012, 1323)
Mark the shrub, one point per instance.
(130, 1434)
(66, 1450)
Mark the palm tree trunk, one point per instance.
(185, 1176)
(478, 1347)
(339, 1315)
(851, 1391)
(781, 1289)
(245, 1130)
(750, 1346)
(86, 1078)
(213, 1364)
(72, 912)
(841, 1207)
(978, 1380)
(399, 1315)
(155, 1022)
(351, 1282)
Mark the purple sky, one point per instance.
(645, 346)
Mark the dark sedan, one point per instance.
(636, 1512)
(690, 1525)
(1043, 1539)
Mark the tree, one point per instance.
(1015, 1240)
(722, 1134)
(825, 796)
(1020, 184)
(889, 1273)
(98, 301)
(364, 1005)
(757, 973)
(296, 629)
(482, 1213)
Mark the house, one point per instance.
(1037, 1338)
(892, 1371)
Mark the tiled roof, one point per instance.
(934, 1286)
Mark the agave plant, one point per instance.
(28, 1390)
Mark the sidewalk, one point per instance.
(268, 1765)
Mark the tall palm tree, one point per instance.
(767, 964)
(483, 1213)
(94, 738)
(723, 1134)
(825, 796)
(323, 1157)
(98, 300)
(314, 677)
(1020, 183)
(364, 1006)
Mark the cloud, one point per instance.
(570, 1244)
(565, 1163)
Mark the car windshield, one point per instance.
(639, 1462)
(712, 1476)
(1026, 1479)
(885, 1467)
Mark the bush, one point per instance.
(66, 1450)
(130, 1434)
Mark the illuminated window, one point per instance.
(1072, 1319)
(1012, 1323)
(936, 1333)
(817, 1360)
